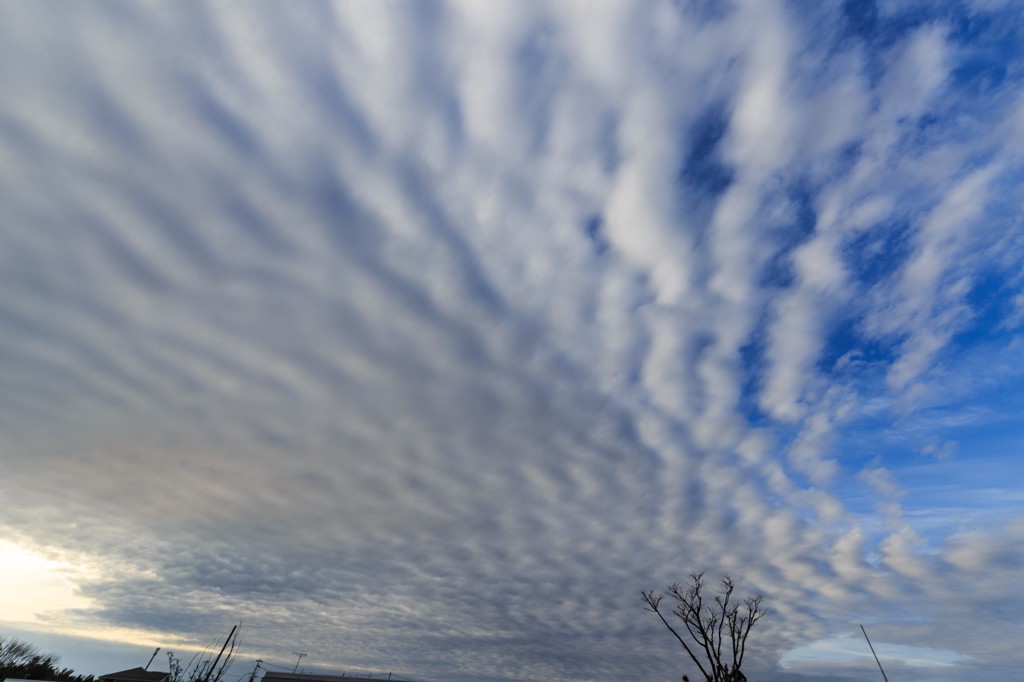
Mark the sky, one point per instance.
(422, 336)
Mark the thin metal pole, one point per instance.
(874, 654)
(226, 641)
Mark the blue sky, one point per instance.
(422, 337)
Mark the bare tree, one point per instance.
(714, 630)
(21, 660)
(203, 668)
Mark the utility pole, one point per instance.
(253, 676)
(300, 655)
(874, 654)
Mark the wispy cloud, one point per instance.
(424, 336)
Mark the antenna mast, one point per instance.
(874, 654)
(226, 642)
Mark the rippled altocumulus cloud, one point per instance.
(423, 336)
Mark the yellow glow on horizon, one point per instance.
(35, 590)
(32, 584)
(114, 635)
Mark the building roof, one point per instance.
(136, 675)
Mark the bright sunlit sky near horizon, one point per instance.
(422, 336)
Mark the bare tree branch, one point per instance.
(718, 628)
(653, 600)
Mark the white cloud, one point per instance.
(408, 330)
(841, 649)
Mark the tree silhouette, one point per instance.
(21, 660)
(713, 631)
